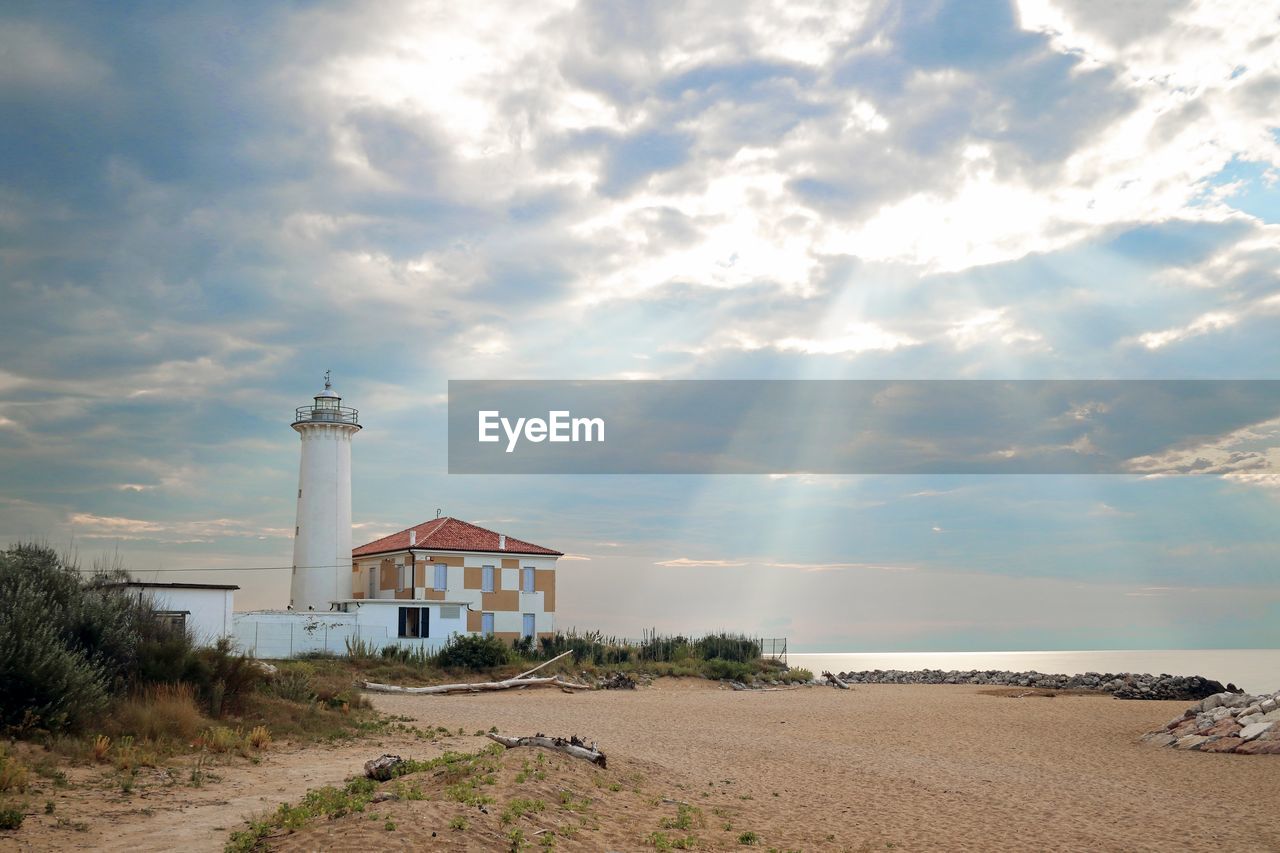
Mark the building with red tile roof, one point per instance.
(448, 576)
(451, 534)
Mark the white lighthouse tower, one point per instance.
(322, 540)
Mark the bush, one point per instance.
(294, 684)
(727, 647)
(69, 644)
(224, 677)
(49, 678)
(721, 668)
(473, 653)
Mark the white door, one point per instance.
(486, 623)
(528, 625)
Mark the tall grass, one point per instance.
(160, 712)
(595, 648)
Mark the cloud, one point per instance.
(205, 207)
(989, 326)
(853, 339)
(1202, 325)
(1248, 455)
(89, 526)
(1106, 510)
(839, 567)
(686, 563)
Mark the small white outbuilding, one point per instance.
(202, 609)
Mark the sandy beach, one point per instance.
(879, 767)
(902, 767)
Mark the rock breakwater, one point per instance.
(1225, 722)
(1122, 685)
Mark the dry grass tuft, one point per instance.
(220, 739)
(13, 774)
(100, 748)
(161, 712)
(260, 738)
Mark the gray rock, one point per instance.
(1253, 731)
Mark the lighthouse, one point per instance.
(322, 538)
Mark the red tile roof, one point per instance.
(450, 534)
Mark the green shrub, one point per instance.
(359, 649)
(414, 655)
(294, 684)
(11, 818)
(69, 644)
(224, 677)
(721, 668)
(51, 676)
(727, 647)
(473, 653)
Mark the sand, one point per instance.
(913, 767)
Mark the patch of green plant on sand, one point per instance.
(353, 798)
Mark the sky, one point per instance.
(204, 206)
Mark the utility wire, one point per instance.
(229, 569)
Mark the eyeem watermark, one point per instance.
(559, 426)
(1137, 427)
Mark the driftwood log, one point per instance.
(834, 680)
(574, 746)
(479, 686)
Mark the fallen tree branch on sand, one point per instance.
(574, 746)
(834, 680)
(479, 686)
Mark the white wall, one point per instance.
(209, 611)
(281, 634)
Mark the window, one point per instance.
(527, 628)
(175, 620)
(527, 580)
(405, 576)
(451, 611)
(486, 584)
(486, 623)
(442, 576)
(414, 622)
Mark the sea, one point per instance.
(1252, 670)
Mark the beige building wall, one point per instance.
(463, 582)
